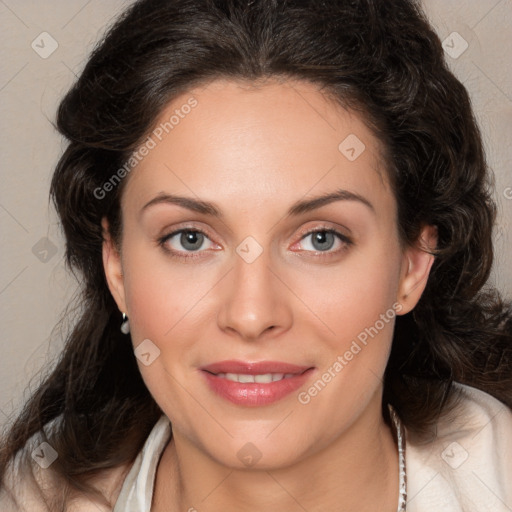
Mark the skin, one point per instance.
(254, 152)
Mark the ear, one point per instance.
(416, 264)
(113, 267)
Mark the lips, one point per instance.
(254, 384)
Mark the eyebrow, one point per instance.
(298, 208)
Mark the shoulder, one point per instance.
(466, 464)
(29, 482)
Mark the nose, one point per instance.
(254, 300)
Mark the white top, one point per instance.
(466, 467)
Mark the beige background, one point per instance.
(34, 287)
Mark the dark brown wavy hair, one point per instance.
(381, 59)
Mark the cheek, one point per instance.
(156, 292)
(168, 302)
(352, 296)
(160, 298)
(358, 304)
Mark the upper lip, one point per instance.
(254, 368)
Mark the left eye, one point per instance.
(322, 240)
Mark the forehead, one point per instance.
(232, 141)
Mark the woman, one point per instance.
(256, 369)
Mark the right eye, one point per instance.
(191, 240)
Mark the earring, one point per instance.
(125, 326)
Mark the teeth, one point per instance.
(265, 378)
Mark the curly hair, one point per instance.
(380, 59)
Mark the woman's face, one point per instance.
(248, 281)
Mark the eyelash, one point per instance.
(346, 241)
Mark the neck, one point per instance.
(357, 471)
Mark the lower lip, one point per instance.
(254, 394)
